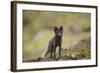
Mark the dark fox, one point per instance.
(55, 42)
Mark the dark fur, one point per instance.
(55, 42)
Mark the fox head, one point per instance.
(58, 31)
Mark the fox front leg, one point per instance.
(55, 53)
(59, 52)
(51, 54)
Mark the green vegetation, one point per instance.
(38, 30)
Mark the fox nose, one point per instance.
(59, 34)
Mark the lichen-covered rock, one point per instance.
(85, 43)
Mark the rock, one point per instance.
(85, 43)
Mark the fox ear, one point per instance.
(61, 28)
(55, 28)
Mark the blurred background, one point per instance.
(38, 29)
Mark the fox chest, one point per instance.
(55, 42)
